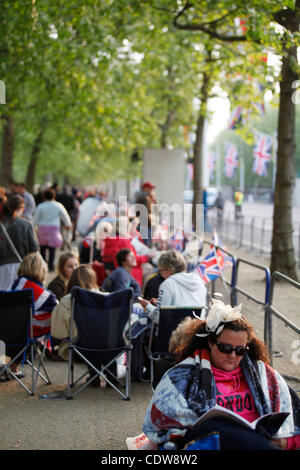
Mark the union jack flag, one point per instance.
(44, 303)
(211, 164)
(231, 159)
(235, 118)
(224, 260)
(209, 269)
(177, 241)
(87, 241)
(161, 231)
(262, 155)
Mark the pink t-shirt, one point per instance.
(233, 393)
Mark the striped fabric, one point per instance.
(44, 303)
(188, 389)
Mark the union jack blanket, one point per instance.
(44, 303)
(188, 389)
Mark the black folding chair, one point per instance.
(157, 349)
(101, 320)
(16, 333)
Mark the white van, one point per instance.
(212, 194)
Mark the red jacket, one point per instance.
(115, 244)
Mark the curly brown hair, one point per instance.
(184, 341)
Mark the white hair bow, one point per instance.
(220, 313)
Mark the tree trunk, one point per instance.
(198, 148)
(283, 257)
(165, 128)
(30, 177)
(6, 176)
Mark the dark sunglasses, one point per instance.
(227, 349)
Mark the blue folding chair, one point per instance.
(16, 334)
(101, 320)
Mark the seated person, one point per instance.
(66, 265)
(83, 276)
(32, 274)
(221, 361)
(121, 277)
(151, 288)
(179, 289)
(113, 244)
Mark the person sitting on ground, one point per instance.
(121, 277)
(32, 273)
(179, 289)
(66, 264)
(221, 361)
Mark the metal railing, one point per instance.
(251, 232)
(271, 311)
(236, 288)
(268, 311)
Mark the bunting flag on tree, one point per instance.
(235, 118)
(262, 154)
(231, 159)
(211, 164)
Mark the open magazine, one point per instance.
(270, 422)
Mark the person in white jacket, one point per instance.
(48, 218)
(179, 289)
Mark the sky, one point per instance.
(220, 118)
(221, 106)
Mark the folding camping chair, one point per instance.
(157, 349)
(101, 320)
(16, 311)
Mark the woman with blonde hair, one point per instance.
(32, 274)
(220, 361)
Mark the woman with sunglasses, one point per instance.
(220, 361)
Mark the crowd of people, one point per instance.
(216, 358)
(117, 255)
